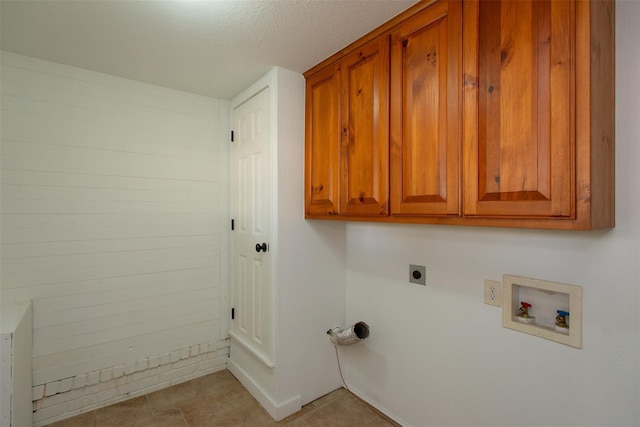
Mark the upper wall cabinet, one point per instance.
(501, 113)
(538, 118)
(519, 108)
(347, 134)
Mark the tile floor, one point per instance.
(219, 400)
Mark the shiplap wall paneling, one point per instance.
(112, 198)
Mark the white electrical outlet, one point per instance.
(493, 292)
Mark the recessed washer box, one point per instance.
(545, 298)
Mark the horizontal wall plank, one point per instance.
(52, 234)
(132, 268)
(87, 359)
(124, 326)
(23, 222)
(128, 312)
(89, 261)
(66, 131)
(48, 206)
(116, 302)
(91, 180)
(21, 112)
(70, 295)
(49, 192)
(47, 249)
(57, 158)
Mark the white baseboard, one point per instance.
(277, 410)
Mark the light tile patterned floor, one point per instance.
(219, 400)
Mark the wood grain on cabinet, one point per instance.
(365, 130)
(426, 79)
(347, 135)
(520, 116)
(322, 148)
(529, 100)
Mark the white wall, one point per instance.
(311, 263)
(113, 196)
(438, 356)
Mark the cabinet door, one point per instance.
(425, 112)
(322, 147)
(519, 97)
(365, 130)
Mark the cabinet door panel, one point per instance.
(365, 140)
(425, 113)
(519, 114)
(322, 150)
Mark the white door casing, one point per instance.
(252, 263)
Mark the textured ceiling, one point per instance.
(215, 48)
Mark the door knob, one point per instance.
(261, 247)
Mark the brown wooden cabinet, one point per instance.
(501, 114)
(426, 76)
(364, 162)
(322, 149)
(347, 134)
(538, 117)
(519, 108)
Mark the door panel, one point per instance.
(251, 270)
(322, 150)
(425, 113)
(519, 151)
(365, 141)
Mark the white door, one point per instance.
(250, 197)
